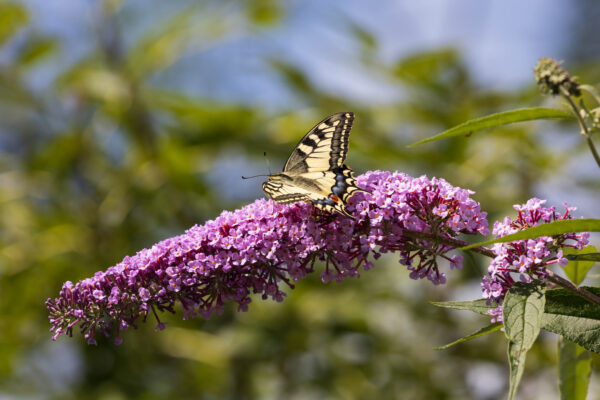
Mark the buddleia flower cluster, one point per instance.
(264, 246)
(525, 260)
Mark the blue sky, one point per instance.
(500, 40)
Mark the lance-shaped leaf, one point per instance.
(565, 313)
(479, 306)
(584, 257)
(480, 332)
(574, 369)
(522, 313)
(549, 229)
(499, 119)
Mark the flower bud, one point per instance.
(550, 76)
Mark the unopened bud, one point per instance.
(550, 76)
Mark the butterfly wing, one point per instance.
(327, 190)
(283, 191)
(324, 147)
(335, 188)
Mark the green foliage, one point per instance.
(493, 327)
(494, 120)
(36, 50)
(479, 306)
(549, 229)
(527, 308)
(583, 256)
(573, 317)
(578, 266)
(574, 370)
(426, 67)
(565, 313)
(265, 12)
(13, 16)
(565, 302)
(523, 309)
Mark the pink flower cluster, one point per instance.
(256, 248)
(526, 259)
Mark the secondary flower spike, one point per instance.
(526, 259)
(264, 244)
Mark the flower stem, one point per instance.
(449, 241)
(585, 130)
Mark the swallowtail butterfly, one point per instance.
(315, 171)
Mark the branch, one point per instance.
(560, 281)
(449, 241)
(585, 130)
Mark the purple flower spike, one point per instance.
(526, 259)
(256, 248)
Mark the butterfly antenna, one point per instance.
(268, 165)
(254, 176)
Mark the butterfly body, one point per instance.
(315, 171)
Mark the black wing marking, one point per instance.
(324, 147)
(345, 183)
(343, 188)
(283, 193)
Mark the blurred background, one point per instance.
(123, 123)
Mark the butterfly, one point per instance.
(315, 171)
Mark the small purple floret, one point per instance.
(526, 259)
(264, 244)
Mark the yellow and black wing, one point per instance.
(285, 192)
(324, 147)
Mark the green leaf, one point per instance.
(499, 119)
(569, 315)
(583, 331)
(549, 229)
(577, 269)
(592, 91)
(12, 17)
(584, 257)
(565, 313)
(479, 306)
(168, 41)
(480, 332)
(523, 308)
(265, 12)
(516, 361)
(574, 370)
(566, 302)
(36, 49)
(424, 68)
